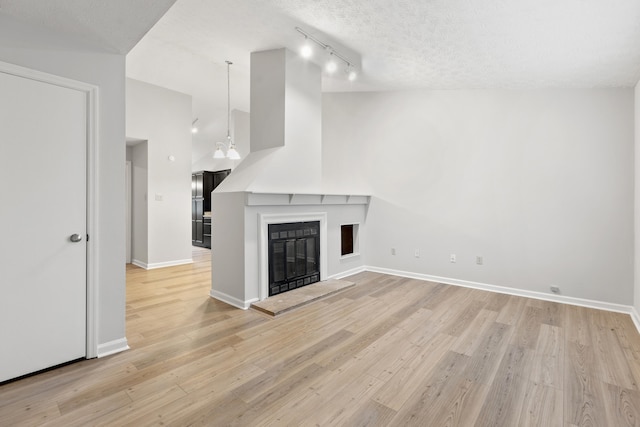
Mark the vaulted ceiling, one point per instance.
(401, 44)
(114, 25)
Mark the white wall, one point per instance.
(47, 51)
(162, 117)
(228, 245)
(139, 199)
(539, 183)
(637, 204)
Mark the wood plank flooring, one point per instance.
(388, 351)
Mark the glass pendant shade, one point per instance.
(232, 153)
(218, 154)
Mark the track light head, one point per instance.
(306, 51)
(331, 64)
(351, 73)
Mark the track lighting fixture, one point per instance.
(306, 51)
(194, 128)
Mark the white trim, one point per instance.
(93, 209)
(228, 299)
(293, 199)
(635, 317)
(139, 263)
(600, 305)
(112, 347)
(92, 114)
(264, 220)
(129, 203)
(155, 265)
(347, 273)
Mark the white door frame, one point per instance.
(92, 184)
(127, 189)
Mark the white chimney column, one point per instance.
(286, 127)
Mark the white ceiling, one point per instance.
(401, 44)
(113, 25)
(419, 43)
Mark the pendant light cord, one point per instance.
(228, 101)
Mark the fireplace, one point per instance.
(240, 256)
(294, 255)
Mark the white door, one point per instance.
(43, 151)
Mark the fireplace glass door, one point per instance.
(294, 255)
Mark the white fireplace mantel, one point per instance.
(294, 199)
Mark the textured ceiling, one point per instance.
(433, 44)
(401, 44)
(495, 43)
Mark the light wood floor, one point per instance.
(389, 351)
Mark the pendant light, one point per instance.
(232, 153)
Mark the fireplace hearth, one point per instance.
(294, 255)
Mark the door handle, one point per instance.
(75, 238)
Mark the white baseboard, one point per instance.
(221, 296)
(347, 273)
(154, 265)
(139, 263)
(112, 347)
(600, 305)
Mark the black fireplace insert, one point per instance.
(294, 255)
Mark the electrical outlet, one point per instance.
(416, 253)
(393, 251)
(555, 289)
(479, 260)
(452, 258)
